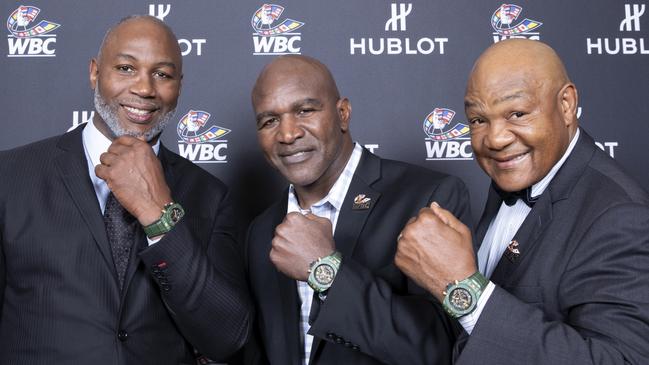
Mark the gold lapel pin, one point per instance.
(361, 202)
(512, 253)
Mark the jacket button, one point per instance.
(340, 340)
(348, 344)
(330, 335)
(122, 335)
(354, 347)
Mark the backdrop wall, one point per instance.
(403, 66)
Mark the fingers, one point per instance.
(108, 158)
(447, 217)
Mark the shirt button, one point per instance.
(122, 335)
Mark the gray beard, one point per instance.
(108, 113)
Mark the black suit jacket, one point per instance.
(579, 291)
(59, 296)
(372, 314)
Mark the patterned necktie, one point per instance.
(120, 229)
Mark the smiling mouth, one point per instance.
(295, 157)
(510, 162)
(137, 114)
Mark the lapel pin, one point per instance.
(361, 202)
(512, 253)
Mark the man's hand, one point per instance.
(435, 249)
(300, 240)
(134, 175)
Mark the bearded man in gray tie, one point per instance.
(107, 253)
(562, 271)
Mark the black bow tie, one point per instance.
(510, 197)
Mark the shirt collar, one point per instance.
(96, 143)
(337, 193)
(539, 187)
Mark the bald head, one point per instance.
(521, 108)
(533, 59)
(302, 124)
(136, 78)
(299, 67)
(140, 23)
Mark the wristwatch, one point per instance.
(461, 297)
(171, 214)
(323, 271)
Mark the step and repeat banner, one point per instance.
(403, 65)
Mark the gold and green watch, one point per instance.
(171, 214)
(323, 271)
(461, 297)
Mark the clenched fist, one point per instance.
(434, 249)
(300, 240)
(134, 175)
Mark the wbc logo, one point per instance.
(445, 140)
(270, 39)
(502, 21)
(198, 143)
(27, 40)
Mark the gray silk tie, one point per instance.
(120, 229)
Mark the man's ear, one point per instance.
(568, 101)
(93, 71)
(344, 108)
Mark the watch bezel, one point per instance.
(474, 285)
(333, 262)
(172, 213)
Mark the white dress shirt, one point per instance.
(328, 207)
(94, 144)
(501, 230)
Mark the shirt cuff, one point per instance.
(152, 242)
(469, 321)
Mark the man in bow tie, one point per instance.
(320, 260)
(562, 271)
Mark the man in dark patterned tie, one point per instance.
(158, 275)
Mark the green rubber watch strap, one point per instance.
(171, 214)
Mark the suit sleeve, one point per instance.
(604, 297)
(2, 276)
(252, 352)
(203, 285)
(363, 312)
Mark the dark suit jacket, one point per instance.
(372, 314)
(59, 296)
(579, 291)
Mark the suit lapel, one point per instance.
(351, 218)
(490, 211)
(541, 215)
(73, 171)
(526, 236)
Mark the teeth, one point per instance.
(515, 158)
(137, 111)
